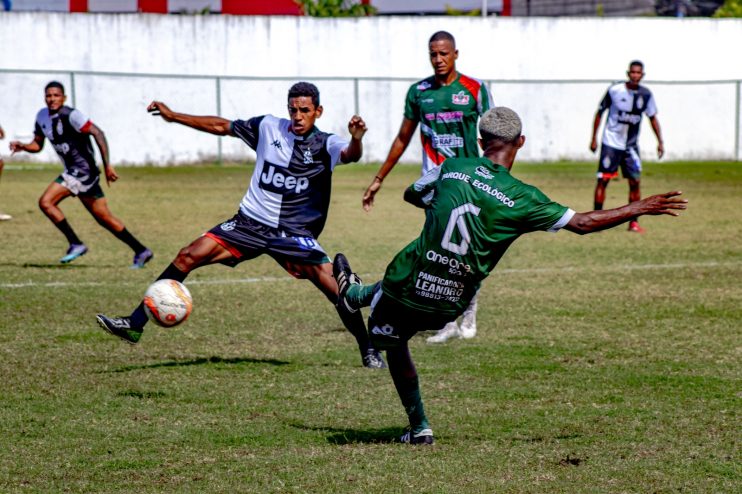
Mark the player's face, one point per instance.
(635, 74)
(443, 57)
(54, 98)
(303, 113)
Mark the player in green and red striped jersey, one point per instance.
(447, 105)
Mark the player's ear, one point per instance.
(456, 54)
(521, 141)
(481, 143)
(318, 111)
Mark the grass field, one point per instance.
(607, 363)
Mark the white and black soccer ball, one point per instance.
(167, 303)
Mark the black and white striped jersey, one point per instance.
(625, 107)
(67, 131)
(291, 185)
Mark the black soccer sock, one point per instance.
(129, 240)
(355, 325)
(404, 375)
(68, 232)
(597, 206)
(139, 316)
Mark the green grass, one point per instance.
(603, 363)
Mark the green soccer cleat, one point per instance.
(121, 327)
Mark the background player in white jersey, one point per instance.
(69, 131)
(625, 102)
(3, 216)
(284, 209)
(475, 209)
(447, 105)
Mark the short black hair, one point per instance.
(637, 62)
(443, 36)
(305, 89)
(54, 84)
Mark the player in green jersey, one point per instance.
(475, 209)
(447, 105)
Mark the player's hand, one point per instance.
(593, 145)
(368, 196)
(667, 203)
(111, 175)
(16, 146)
(660, 150)
(357, 127)
(2, 133)
(160, 109)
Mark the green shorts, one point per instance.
(391, 324)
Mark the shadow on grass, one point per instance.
(198, 361)
(353, 436)
(55, 265)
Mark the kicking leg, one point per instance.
(201, 252)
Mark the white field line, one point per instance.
(377, 276)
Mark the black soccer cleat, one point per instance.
(121, 327)
(344, 277)
(424, 437)
(373, 359)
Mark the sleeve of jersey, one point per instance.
(423, 190)
(651, 109)
(605, 103)
(335, 146)
(485, 99)
(248, 130)
(545, 214)
(80, 121)
(411, 107)
(37, 130)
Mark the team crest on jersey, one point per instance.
(484, 173)
(460, 98)
(308, 158)
(639, 103)
(423, 86)
(60, 127)
(228, 226)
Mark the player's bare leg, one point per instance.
(599, 197)
(201, 252)
(634, 195)
(49, 205)
(98, 208)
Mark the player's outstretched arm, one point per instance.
(213, 125)
(102, 143)
(30, 147)
(404, 136)
(354, 150)
(668, 203)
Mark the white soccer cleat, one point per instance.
(450, 330)
(5, 217)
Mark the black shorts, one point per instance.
(247, 239)
(611, 159)
(391, 324)
(79, 188)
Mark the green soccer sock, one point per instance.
(404, 375)
(359, 296)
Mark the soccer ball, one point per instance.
(167, 303)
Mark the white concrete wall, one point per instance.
(698, 120)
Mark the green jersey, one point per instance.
(474, 210)
(448, 117)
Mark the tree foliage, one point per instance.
(730, 8)
(335, 8)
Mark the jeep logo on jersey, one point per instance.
(629, 118)
(460, 98)
(279, 181)
(63, 148)
(484, 173)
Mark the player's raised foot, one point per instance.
(75, 251)
(121, 327)
(372, 359)
(5, 217)
(142, 258)
(424, 437)
(344, 277)
(634, 227)
(450, 330)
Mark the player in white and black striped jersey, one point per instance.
(625, 102)
(284, 209)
